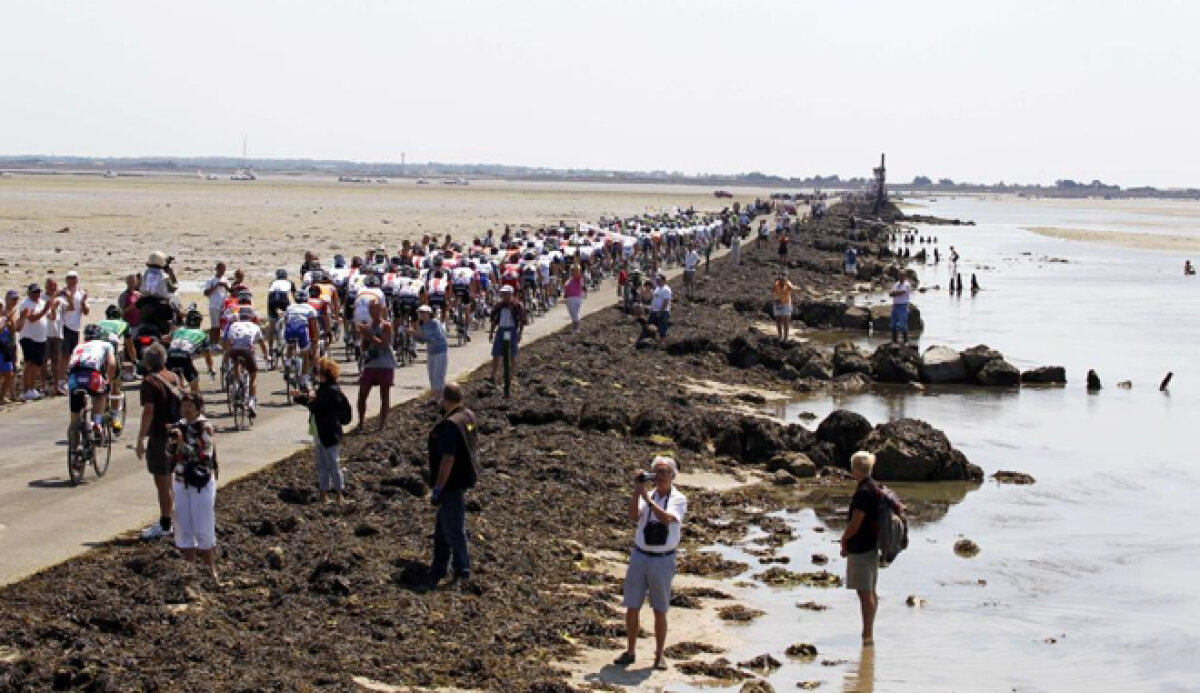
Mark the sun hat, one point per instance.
(425, 309)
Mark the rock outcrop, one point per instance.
(912, 450)
(845, 430)
(895, 363)
(998, 373)
(1054, 375)
(941, 364)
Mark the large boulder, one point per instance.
(881, 318)
(848, 358)
(977, 356)
(998, 373)
(795, 463)
(856, 317)
(941, 364)
(762, 439)
(912, 450)
(1045, 374)
(895, 363)
(846, 431)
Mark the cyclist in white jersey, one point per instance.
(300, 331)
(92, 367)
(239, 340)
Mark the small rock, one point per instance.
(275, 558)
(811, 606)
(1125, 384)
(966, 548)
(1007, 477)
(783, 478)
(914, 601)
(757, 686)
(808, 685)
(802, 649)
(820, 559)
(738, 613)
(1093, 381)
(763, 662)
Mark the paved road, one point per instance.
(43, 520)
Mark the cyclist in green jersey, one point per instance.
(117, 331)
(186, 343)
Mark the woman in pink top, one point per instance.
(574, 292)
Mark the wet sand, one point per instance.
(1126, 239)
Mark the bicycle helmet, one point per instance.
(112, 313)
(92, 332)
(314, 292)
(339, 261)
(245, 313)
(318, 276)
(356, 262)
(281, 273)
(372, 282)
(193, 319)
(245, 298)
(397, 261)
(301, 296)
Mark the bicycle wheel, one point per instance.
(76, 460)
(103, 455)
(237, 406)
(121, 416)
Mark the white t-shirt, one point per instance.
(281, 288)
(676, 504)
(902, 299)
(216, 300)
(662, 299)
(93, 355)
(154, 283)
(73, 319)
(362, 304)
(243, 335)
(34, 329)
(691, 260)
(54, 324)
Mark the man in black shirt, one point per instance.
(859, 545)
(452, 470)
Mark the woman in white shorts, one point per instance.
(195, 481)
(781, 306)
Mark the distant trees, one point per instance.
(922, 180)
(945, 181)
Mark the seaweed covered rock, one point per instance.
(912, 450)
(846, 431)
(848, 358)
(998, 373)
(895, 363)
(977, 356)
(941, 364)
(1047, 375)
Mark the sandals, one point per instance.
(660, 664)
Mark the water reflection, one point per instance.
(861, 679)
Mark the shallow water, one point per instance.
(1089, 573)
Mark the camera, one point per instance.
(644, 477)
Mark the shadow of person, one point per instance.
(50, 483)
(862, 678)
(621, 676)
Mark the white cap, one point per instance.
(72, 275)
(506, 289)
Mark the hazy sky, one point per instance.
(972, 90)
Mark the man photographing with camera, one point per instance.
(659, 516)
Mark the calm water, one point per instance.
(1100, 555)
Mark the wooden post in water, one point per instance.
(1162, 387)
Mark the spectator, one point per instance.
(574, 292)
(782, 307)
(900, 293)
(850, 261)
(379, 365)
(784, 237)
(659, 518)
(735, 248)
(330, 410)
(453, 469)
(217, 291)
(660, 307)
(690, 261)
(432, 333)
(160, 389)
(195, 484)
(508, 323)
(127, 301)
(8, 345)
(56, 366)
(859, 546)
(33, 324)
(78, 308)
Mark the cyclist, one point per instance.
(117, 332)
(187, 342)
(92, 367)
(529, 279)
(239, 340)
(329, 294)
(324, 311)
(436, 289)
(277, 301)
(301, 329)
(466, 288)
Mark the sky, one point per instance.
(976, 90)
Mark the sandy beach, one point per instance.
(1172, 242)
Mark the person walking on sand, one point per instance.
(329, 411)
(659, 517)
(782, 306)
(432, 333)
(379, 365)
(453, 470)
(900, 293)
(859, 545)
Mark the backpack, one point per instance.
(345, 414)
(891, 526)
(174, 398)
